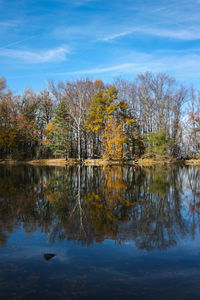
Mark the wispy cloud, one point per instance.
(52, 55)
(181, 65)
(108, 38)
(118, 35)
(80, 31)
(17, 42)
(181, 34)
(100, 70)
(8, 24)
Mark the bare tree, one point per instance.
(78, 95)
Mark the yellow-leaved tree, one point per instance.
(113, 139)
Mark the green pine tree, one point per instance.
(58, 132)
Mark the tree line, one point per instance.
(87, 118)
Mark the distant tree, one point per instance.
(8, 120)
(46, 106)
(104, 104)
(148, 111)
(78, 95)
(113, 140)
(27, 137)
(58, 132)
(157, 144)
(29, 105)
(192, 123)
(2, 85)
(159, 101)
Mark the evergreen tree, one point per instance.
(58, 132)
(157, 144)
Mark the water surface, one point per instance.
(99, 233)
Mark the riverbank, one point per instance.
(195, 162)
(97, 162)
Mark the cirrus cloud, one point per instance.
(181, 34)
(31, 57)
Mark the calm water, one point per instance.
(99, 233)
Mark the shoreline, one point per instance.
(97, 162)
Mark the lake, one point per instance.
(99, 233)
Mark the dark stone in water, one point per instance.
(48, 256)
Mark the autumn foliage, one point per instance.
(113, 140)
(90, 119)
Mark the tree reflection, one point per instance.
(90, 204)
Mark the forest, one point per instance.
(151, 116)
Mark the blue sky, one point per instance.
(62, 39)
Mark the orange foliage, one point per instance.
(113, 140)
